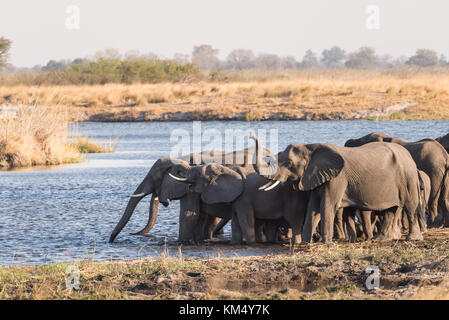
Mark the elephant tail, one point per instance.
(422, 206)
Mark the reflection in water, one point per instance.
(68, 212)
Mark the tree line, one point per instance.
(110, 65)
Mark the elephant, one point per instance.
(444, 141)
(192, 224)
(429, 157)
(240, 187)
(386, 225)
(340, 177)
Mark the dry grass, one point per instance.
(84, 145)
(408, 270)
(316, 94)
(35, 136)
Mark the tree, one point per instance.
(443, 61)
(182, 58)
(268, 61)
(333, 57)
(205, 57)
(363, 58)
(5, 45)
(109, 53)
(53, 65)
(289, 62)
(423, 58)
(385, 61)
(240, 59)
(310, 60)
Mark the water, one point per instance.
(67, 213)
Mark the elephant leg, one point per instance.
(405, 224)
(387, 228)
(327, 220)
(259, 226)
(237, 237)
(348, 218)
(210, 224)
(397, 224)
(414, 230)
(296, 222)
(245, 216)
(312, 217)
(432, 221)
(189, 217)
(374, 224)
(339, 229)
(444, 206)
(366, 224)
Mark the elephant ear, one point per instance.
(325, 164)
(224, 187)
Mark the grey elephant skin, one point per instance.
(341, 177)
(430, 157)
(238, 186)
(444, 141)
(193, 225)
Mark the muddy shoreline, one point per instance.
(407, 270)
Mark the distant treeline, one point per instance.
(109, 66)
(105, 70)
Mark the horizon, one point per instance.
(77, 29)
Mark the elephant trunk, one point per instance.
(141, 191)
(152, 217)
(258, 155)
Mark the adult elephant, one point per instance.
(192, 224)
(429, 157)
(444, 141)
(340, 177)
(217, 184)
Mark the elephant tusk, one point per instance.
(273, 186)
(177, 178)
(138, 195)
(266, 185)
(156, 199)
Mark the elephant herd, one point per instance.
(375, 187)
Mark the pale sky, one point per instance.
(285, 27)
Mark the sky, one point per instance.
(68, 29)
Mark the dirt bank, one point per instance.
(338, 271)
(315, 96)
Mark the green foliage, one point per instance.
(423, 58)
(143, 70)
(109, 70)
(364, 58)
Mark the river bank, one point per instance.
(407, 270)
(317, 95)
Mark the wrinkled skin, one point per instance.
(157, 182)
(386, 225)
(240, 187)
(340, 177)
(431, 158)
(194, 222)
(444, 141)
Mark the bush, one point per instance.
(31, 135)
(109, 70)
